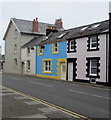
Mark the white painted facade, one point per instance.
(28, 57)
(81, 54)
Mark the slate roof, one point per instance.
(33, 42)
(78, 32)
(91, 29)
(25, 26)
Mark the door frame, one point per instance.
(73, 60)
(59, 61)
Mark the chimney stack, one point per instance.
(59, 23)
(35, 25)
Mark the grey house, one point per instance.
(18, 33)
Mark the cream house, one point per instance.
(18, 33)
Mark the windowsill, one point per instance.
(96, 49)
(47, 72)
(55, 52)
(40, 53)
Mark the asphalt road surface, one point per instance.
(91, 102)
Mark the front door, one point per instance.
(70, 71)
(63, 71)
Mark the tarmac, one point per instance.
(17, 107)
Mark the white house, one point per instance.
(87, 55)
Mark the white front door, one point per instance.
(63, 71)
(70, 71)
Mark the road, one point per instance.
(92, 102)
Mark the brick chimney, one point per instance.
(59, 23)
(35, 25)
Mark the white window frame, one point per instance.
(71, 45)
(95, 67)
(93, 42)
(48, 66)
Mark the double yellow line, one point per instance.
(46, 103)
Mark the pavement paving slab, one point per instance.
(17, 107)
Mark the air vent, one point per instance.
(93, 80)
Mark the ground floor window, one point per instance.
(47, 66)
(93, 67)
(15, 62)
(28, 64)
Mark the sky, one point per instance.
(73, 14)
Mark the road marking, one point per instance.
(41, 84)
(89, 94)
(47, 103)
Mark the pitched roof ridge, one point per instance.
(89, 24)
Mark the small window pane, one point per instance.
(93, 70)
(94, 45)
(94, 63)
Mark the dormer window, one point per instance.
(93, 43)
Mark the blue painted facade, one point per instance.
(47, 54)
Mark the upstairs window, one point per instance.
(93, 43)
(28, 50)
(40, 50)
(15, 48)
(55, 48)
(71, 46)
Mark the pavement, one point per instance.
(17, 107)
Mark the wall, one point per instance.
(10, 41)
(31, 57)
(82, 54)
(47, 54)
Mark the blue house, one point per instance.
(51, 56)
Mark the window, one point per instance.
(93, 43)
(72, 45)
(28, 50)
(93, 67)
(15, 48)
(40, 50)
(28, 65)
(62, 35)
(15, 33)
(15, 62)
(47, 66)
(55, 48)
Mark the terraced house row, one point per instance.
(50, 51)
